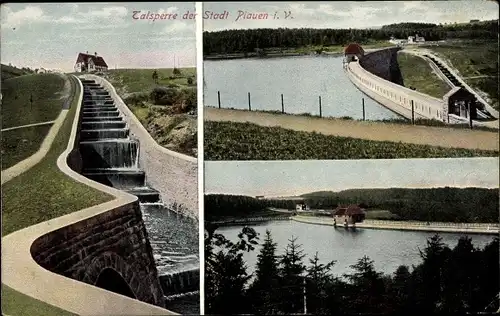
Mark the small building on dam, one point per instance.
(353, 52)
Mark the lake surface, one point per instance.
(388, 248)
(301, 80)
(173, 237)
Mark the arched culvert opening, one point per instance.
(112, 281)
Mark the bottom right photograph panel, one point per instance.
(352, 237)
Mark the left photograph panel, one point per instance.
(99, 159)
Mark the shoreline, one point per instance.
(311, 52)
(408, 226)
(475, 228)
(249, 220)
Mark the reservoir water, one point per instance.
(388, 248)
(301, 80)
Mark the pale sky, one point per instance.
(51, 35)
(285, 178)
(349, 14)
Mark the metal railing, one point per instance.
(433, 224)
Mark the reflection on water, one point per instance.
(173, 237)
(301, 80)
(388, 248)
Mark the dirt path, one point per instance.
(28, 163)
(28, 125)
(424, 135)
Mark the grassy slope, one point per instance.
(380, 214)
(47, 99)
(20, 144)
(417, 73)
(44, 192)
(8, 72)
(17, 304)
(245, 141)
(139, 80)
(474, 58)
(181, 137)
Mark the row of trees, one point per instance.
(448, 281)
(251, 40)
(447, 204)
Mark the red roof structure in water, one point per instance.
(354, 49)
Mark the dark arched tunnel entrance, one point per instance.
(110, 280)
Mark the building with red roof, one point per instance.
(353, 52)
(348, 215)
(86, 62)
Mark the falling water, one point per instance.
(111, 157)
(109, 153)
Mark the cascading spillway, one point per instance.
(109, 155)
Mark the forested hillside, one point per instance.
(241, 41)
(435, 204)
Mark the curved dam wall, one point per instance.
(95, 261)
(373, 74)
(384, 64)
(174, 175)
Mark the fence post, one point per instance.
(320, 114)
(249, 104)
(412, 113)
(282, 105)
(218, 98)
(363, 102)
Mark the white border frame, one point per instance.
(201, 182)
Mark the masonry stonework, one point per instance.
(116, 239)
(384, 64)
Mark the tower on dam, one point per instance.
(353, 52)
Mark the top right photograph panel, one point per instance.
(350, 80)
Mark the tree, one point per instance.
(292, 278)
(177, 71)
(368, 287)
(226, 274)
(189, 80)
(318, 281)
(400, 290)
(266, 283)
(433, 264)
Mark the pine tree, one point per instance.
(226, 274)
(264, 288)
(400, 290)
(319, 280)
(434, 257)
(292, 278)
(368, 286)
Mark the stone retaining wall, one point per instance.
(115, 239)
(384, 64)
(173, 174)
